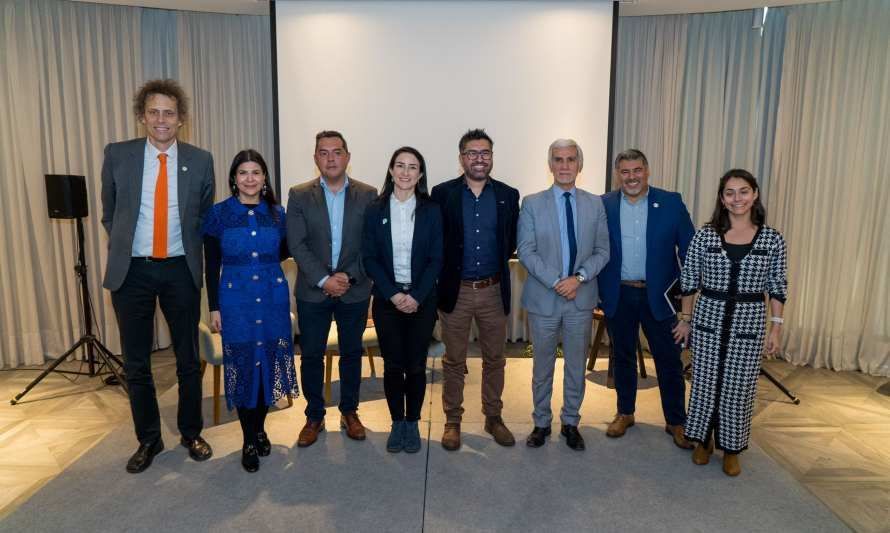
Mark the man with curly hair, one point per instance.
(155, 192)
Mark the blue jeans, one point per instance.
(315, 323)
(632, 312)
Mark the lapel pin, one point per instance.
(655, 205)
(385, 220)
(185, 169)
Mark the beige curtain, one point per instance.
(696, 94)
(68, 71)
(832, 184)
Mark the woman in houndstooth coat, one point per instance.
(736, 263)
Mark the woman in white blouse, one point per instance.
(402, 253)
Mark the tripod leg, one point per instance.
(109, 360)
(49, 369)
(794, 399)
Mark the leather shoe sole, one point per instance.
(574, 440)
(538, 437)
(198, 448)
(142, 459)
(309, 433)
(676, 433)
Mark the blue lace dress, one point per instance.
(254, 304)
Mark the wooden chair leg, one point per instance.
(640, 356)
(597, 342)
(328, 368)
(203, 367)
(290, 400)
(216, 379)
(371, 352)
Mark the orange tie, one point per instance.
(159, 247)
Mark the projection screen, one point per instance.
(388, 74)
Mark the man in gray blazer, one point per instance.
(155, 192)
(324, 232)
(563, 243)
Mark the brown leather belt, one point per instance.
(635, 284)
(481, 283)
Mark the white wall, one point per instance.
(387, 74)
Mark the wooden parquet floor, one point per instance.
(836, 442)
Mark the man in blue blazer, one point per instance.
(649, 230)
(155, 192)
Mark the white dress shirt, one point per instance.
(402, 231)
(144, 237)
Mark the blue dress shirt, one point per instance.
(633, 237)
(563, 229)
(480, 217)
(336, 203)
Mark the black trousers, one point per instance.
(253, 421)
(404, 342)
(170, 284)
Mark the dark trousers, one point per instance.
(315, 323)
(404, 342)
(169, 283)
(632, 312)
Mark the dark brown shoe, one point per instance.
(309, 433)
(676, 432)
(353, 426)
(494, 425)
(619, 426)
(451, 437)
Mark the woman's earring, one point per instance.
(265, 189)
(234, 189)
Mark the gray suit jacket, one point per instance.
(309, 239)
(540, 249)
(122, 196)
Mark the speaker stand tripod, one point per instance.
(91, 344)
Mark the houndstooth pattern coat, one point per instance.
(728, 329)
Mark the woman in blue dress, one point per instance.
(245, 236)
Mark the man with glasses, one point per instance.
(479, 218)
(649, 229)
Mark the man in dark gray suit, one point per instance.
(155, 192)
(324, 233)
(563, 243)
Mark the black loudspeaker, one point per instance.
(66, 196)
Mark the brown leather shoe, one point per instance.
(451, 437)
(731, 465)
(309, 433)
(354, 428)
(494, 425)
(676, 432)
(702, 453)
(619, 426)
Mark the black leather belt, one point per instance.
(751, 297)
(160, 259)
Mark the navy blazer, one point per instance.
(449, 196)
(669, 231)
(426, 249)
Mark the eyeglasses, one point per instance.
(476, 154)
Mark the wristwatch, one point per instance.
(580, 277)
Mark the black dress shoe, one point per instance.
(538, 437)
(263, 446)
(143, 456)
(198, 448)
(574, 440)
(250, 458)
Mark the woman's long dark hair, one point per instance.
(720, 217)
(420, 190)
(252, 156)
